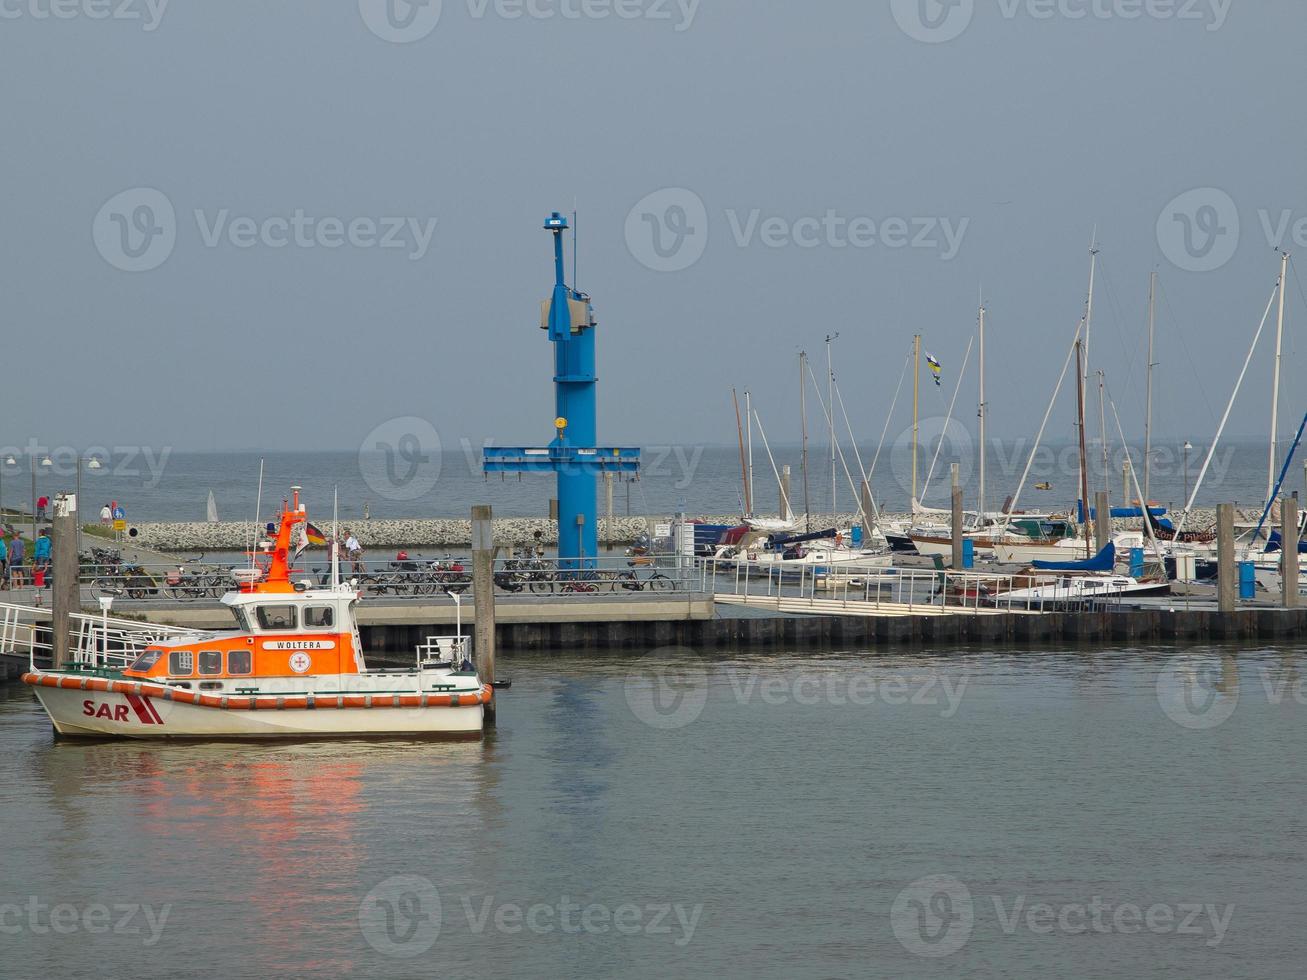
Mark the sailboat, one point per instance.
(211, 510)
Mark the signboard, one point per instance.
(119, 524)
(662, 530)
(119, 514)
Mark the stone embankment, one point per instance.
(454, 533)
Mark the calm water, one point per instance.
(411, 482)
(766, 817)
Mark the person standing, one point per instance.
(354, 552)
(42, 502)
(106, 515)
(4, 564)
(17, 555)
(41, 550)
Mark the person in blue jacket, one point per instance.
(41, 550)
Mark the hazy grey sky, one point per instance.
(866, 127)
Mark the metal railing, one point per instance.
(887, 588)
(95, 641)
(417, 579)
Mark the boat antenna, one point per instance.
(576, 278)
(335, 536)
(258, 509)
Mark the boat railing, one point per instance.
(95, 642)
(885, 589)
(437, 650)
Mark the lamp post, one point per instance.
(8, 461)
(91, 464)
(1187, 447)
(45, 462)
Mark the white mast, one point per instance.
(980, 505)
(830, 400)
(1275, 382)
(748, 410)
(916, 424)
(1102, 428)
(1089, 320)
(1148, 414)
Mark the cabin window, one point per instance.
(181, 662)
(210, 661)
(318, 617)
(242, 619)
(276, 617)
(146, 660)
(239, 662)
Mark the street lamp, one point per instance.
(45, 462)
(91, 464)
(9, 461)
(1187, 447)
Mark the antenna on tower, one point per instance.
(576, 280)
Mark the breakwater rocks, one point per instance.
(454, 533)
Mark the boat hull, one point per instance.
(108, 709)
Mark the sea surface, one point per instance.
(407, 481)
(1075, 813)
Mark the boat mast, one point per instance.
(830, 401)
(803, 419)
(980, 508)
(916, 392)
(1275, 382)
(748, 411)
(744, 468)
(1102, 423)
(1089, 314)
(1084, 458)
(1148, 413)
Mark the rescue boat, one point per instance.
(292, 668)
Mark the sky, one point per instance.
(309, 225)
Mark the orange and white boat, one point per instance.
(294, 668)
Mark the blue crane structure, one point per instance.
(569, 317)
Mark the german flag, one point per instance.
(314, 535)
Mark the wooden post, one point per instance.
(1289, 552)
(608, 488)
(785, 492)
(1227, 571)
(868, 522)
(957, 519)
(1102, 519)
(483, 597)
(67, 589)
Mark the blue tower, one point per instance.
(573, 454)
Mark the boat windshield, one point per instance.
(242, 620)
(146, 660)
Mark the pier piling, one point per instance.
(1227, 583)
(66, 599)
(957, 518)
(1102, 520)
(483, 596)
(1289, 552)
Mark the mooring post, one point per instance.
(868, 522)
(785, 492)
(67, 589)
(957, 519)
(483, 596)
(608, 489)
(1227, 583)
(1102, 519)
(1289, 552)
